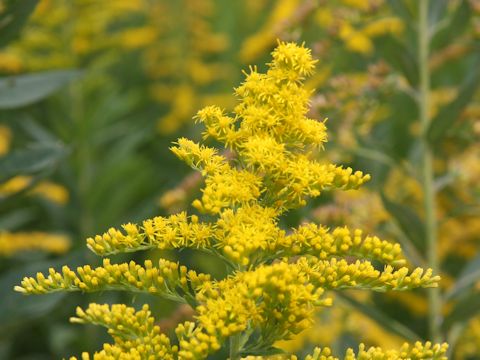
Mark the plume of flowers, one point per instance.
(278, 277)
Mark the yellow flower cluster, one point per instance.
(314, 239)
(406, 352)
(53, 192)
(338, 274)
(278, 299)
(11, 243)
(246, 236)
(417, 352)
(134, 333)
(279, 278)
(163, 233)
(169, 279)
(272, 137)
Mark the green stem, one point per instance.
(235, 347)
(427, 168)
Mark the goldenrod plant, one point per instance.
(278, 278)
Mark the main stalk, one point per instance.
(429, 201)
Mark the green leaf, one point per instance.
(437, 10)
(408, 221)
(15, 219)
(15, 308)
(34, 159)
(264, 352)
(454, 26)
(400, 8)
(469, 276)
(382, 319)
(450, 113)
(22, 90)
(400, 57)
(13, 17)
(465, 309)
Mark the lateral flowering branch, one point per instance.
(280, 277)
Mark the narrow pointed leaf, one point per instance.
(457, 24)
(464, 310)
(34, 159)
(469, 277)
(382, 319)
(450, 113)
(14, 15)
(401, 58)
(23, 90)
(408, 221)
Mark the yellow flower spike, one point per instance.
(163, 233)
(12, 243)
(419, 351)
(199, 157)
(124, 276)
(384, 26)
(53, 192)
(317, 240)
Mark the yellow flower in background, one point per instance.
(10, 63)
(15, 242)
(265, 38)
(53, 192)
(363, 5)
(331, 323)
(59, 34)
(355, 40)
(15, 184)
(469, 342)
(382, 26)
(357, 23)
(180, 60)
(5, 139)
(137, 37)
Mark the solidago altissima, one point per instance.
(279, 277)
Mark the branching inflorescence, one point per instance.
(279, 278)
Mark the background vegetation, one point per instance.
(92, 94)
